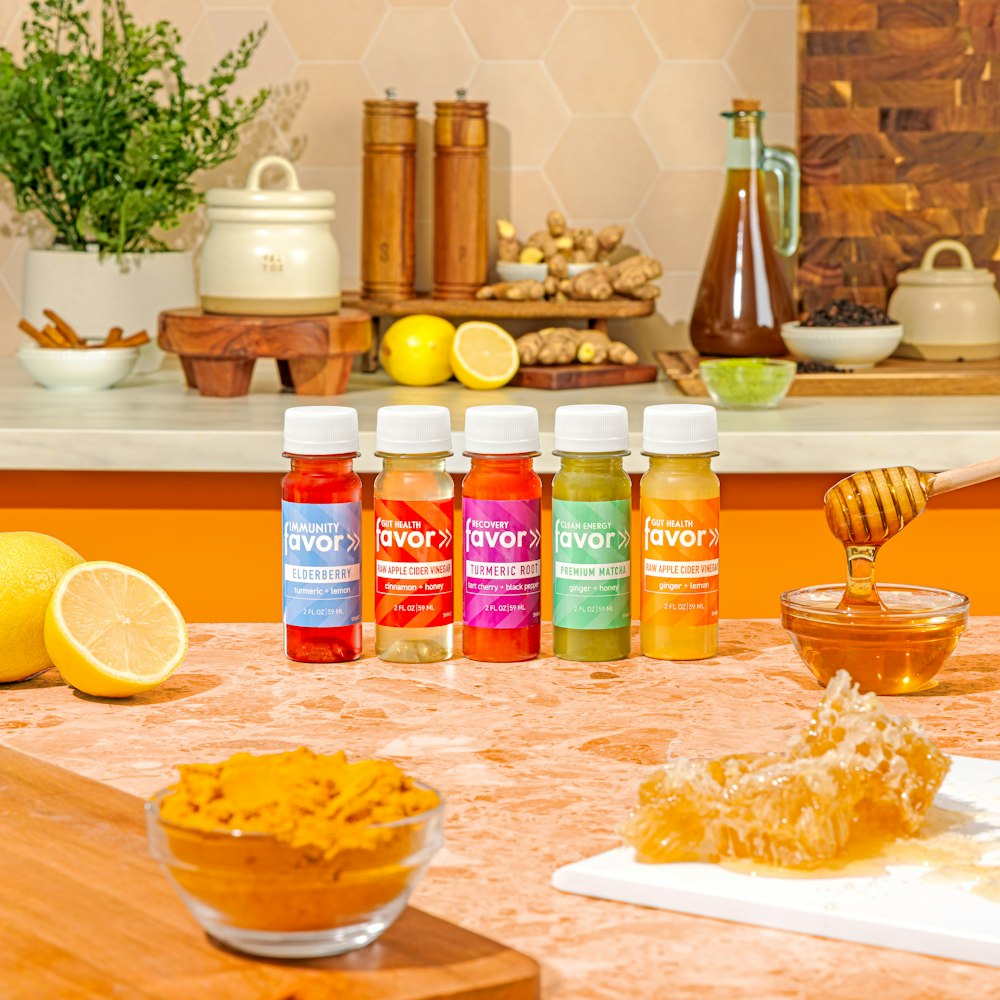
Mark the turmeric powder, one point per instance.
(322, 842)
(303, 799)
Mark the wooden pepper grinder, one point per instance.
(388, 226)
(461, 196)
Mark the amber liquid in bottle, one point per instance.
(744, 295)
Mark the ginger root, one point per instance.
(558, 246)
(559, 346)
(508, 245)
(513, 291)
(622, 354)
(562, 345)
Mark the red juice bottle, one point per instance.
(501, 511)
(321, 535)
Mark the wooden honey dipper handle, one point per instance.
(968, 475)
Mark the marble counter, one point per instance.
(153, 423)
(538, 762)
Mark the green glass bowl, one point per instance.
(747, 383)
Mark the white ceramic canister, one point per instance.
(948, 313)
(270, 252)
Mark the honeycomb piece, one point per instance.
(853, 780)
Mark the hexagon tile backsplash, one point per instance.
(607, 110)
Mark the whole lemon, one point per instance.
(415, 350)
(31, 565)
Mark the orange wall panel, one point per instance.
(213, 539)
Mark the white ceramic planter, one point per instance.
(94, 294)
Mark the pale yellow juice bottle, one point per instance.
(679, 533)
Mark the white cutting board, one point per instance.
(898, 909)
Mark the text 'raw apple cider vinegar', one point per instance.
(501, 512)
(414, 541)
(591, 536)
(679, 518)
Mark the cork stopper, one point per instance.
(742, 104)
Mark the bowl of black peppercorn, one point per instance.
(847, 335)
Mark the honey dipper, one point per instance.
(869, 508)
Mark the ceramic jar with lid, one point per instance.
(270, 252)
(948, 313)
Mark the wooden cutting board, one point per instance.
(85, 913)
(899, 137)
(581, 376)
(892, 377)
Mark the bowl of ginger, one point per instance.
(295, 855)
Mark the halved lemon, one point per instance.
(111, 631)
(483, 355)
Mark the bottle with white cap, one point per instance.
(321, 535)
(591, 535)
(414, 540)
(501, 524)
(679, 518)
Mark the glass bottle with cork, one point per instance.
(501, 531)
(414, 541)
(591, 536)
(745, 294)
(679, 521)
(321, 535)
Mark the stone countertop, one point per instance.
(154, 423)
(538, 762)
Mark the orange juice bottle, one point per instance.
(679, 522)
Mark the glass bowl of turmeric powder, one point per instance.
(295, 855)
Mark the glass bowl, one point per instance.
(747, 383)
(893, 650)
(260, 895)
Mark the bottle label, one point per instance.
(592, 564)
(680, 561)
(321, 564)
(414, 549)
(503, 563)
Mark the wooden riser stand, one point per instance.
(218, 352)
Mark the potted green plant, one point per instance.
(102, 135)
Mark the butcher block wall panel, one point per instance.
(899, 136)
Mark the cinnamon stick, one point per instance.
(56, 336)
(135, 340)
(72, 338)
(114, 336)
(39, 335)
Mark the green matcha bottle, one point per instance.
(591, 537)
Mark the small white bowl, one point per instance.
(844, 347)
(574, 269)
(75, 369)
(511, 270)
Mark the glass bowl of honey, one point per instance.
(892, 647)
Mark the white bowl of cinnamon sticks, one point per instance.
(59, 357)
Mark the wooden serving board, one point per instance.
(893, 377)
(899, 138)
(85, 913)
(613, 308)
(582, 376)
(218, 351)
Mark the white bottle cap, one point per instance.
(321, 430)
(501, 430)
(591, 429)
(680, 429)
(413, 430)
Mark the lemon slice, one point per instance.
(483, 355)
(111, 631)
